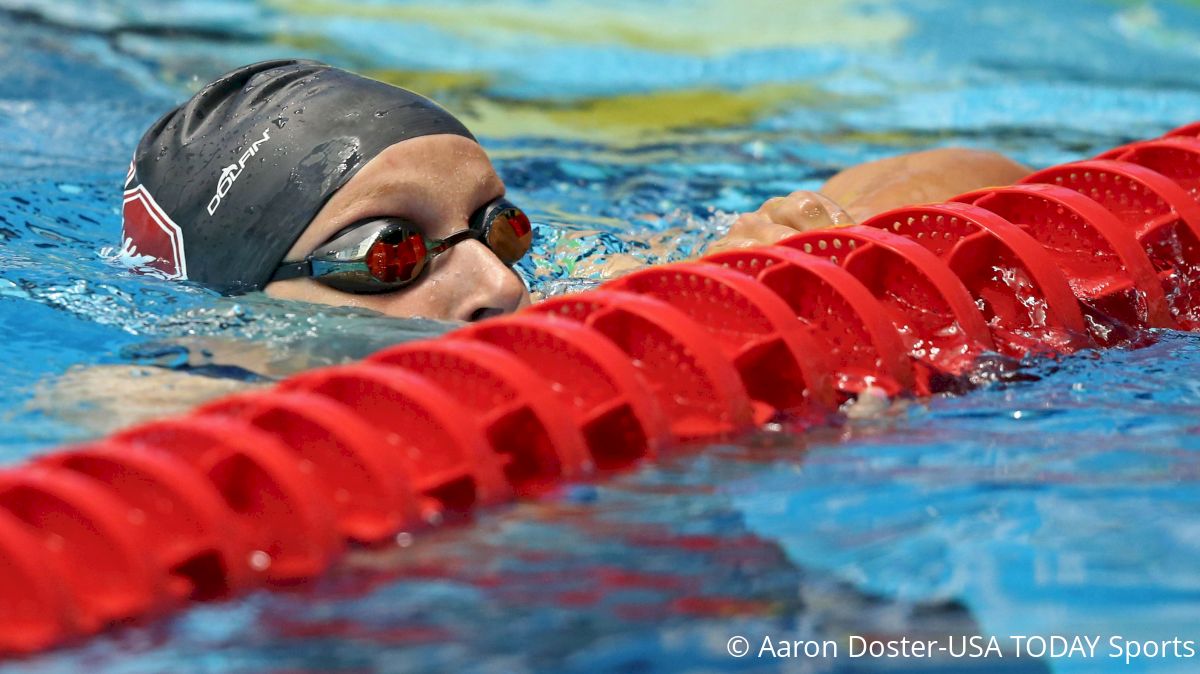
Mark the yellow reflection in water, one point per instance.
(631, 117)
(696, 27)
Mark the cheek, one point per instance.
(415, 301)
(423, 299)
(306, 290)
(435, 296)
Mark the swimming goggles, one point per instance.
(380, 255)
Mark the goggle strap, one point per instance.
(290, 270)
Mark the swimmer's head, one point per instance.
(276, 162)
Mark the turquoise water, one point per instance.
(1063, 502)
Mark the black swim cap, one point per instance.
(221, 187)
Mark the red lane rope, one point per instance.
(862, 345)
(527, 425)
(781, 365)
(697, 387)
(1160, 214)
(1177, 158)
(1025, 299)
(1190, 131)
(1105, 265)
(195, 539)
(88, 535)
(932, 310)
(364, 479)
(35, 609)
(267, 488)
(274, 495)
(441, 444)
(607, 398)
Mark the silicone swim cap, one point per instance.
(221, 187)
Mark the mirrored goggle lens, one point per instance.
(397, 256)
(509, 233)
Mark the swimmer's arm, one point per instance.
(917, 178)
(100, 399)
(167, 378)
(865, 190)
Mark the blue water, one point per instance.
(1064, 502)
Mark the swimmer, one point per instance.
(310, 183)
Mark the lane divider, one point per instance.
(1024, 298)
(363, 478)
(441, 445)
(697, 387)
(1105, 265)
(268, 488)
(606, 395)
(527, 425)
(782, 366)
(273, 494)
(863, 347)
(930, 308)
(196, 540)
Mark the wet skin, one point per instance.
(435, 182)
(865, 190)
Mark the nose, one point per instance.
(495, 289)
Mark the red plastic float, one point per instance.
(272, 493)
(934, 313)
(1160, 214)
(364, 481)
(864, 348)
(95, 544)
(446, 456)
(1162, 150)
(1188, 130)
(782, 365)
(523, 420)
(1176, 157)
(620, 418)
(1025, 299)
(188, 530)
(698, 388)
(33, 607)
(1101, 259)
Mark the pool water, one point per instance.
(1063, 501)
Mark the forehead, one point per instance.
(440, 154)
(439, 178)
(444, 167)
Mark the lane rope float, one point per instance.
(863, 347)
(1026, 301)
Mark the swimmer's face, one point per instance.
(436, 183)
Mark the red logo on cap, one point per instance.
(151, 237)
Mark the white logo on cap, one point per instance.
(230, 173)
